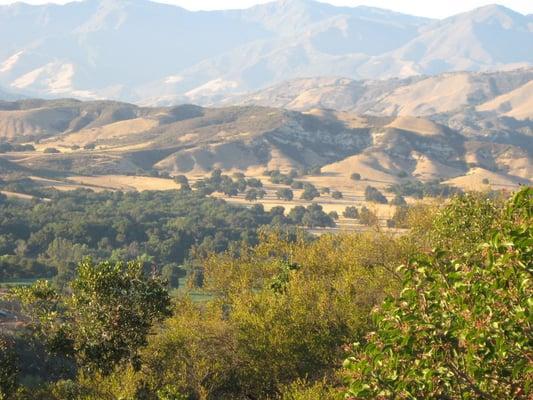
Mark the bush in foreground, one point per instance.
(461, 327)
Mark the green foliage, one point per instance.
(302, 390)
(8, 369)
(279, 315)
(310, 192)
(285, 194)
(106, 317)
(355, 176)
(297, 185)
(374, 195)
(337, 195)
(351, 212)
(420, 189)
(368, 217)
(466, 222)
(398, 200)
(42, 239)
(461, 327)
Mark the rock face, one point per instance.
(155, 54)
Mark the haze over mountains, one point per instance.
(150, 53)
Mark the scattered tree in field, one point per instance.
(254, 183)
(355, 176)
(351, 212)
(310, 192)
(337, 195)
(325, 190)
(367, 217)
(423, 189)
(297, 185)
(398, 200)
(485, 181)
(333, 215)
(285, 194)
(251, 195)
(51, 150)
(374, 195)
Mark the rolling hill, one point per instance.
(109, 138)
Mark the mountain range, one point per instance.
(463, 127)
(155, 54)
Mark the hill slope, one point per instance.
(116, 138)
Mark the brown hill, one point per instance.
(102, 138)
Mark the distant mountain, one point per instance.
(416, 96)
(487, 38)
(150, 53)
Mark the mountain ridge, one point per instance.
(153, 53)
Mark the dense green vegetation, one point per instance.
(461, 326)
(45, 238)
(441, 312)
(420, 189)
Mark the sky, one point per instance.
(426, 8)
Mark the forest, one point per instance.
(47, 238)
(443, 311)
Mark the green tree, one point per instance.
(251, 195)
(351, 212)
(285, 194)
(374, 195)
(105, 319)
(355, 176)
(337, 195)
(398, 200)
(310, 192)
(461, 327)
(8, 369)
(368, 217)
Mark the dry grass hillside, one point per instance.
(463, 128)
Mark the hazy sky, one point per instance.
(427, 8)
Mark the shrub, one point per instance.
(374, 195)
(336, 195)
(310, 192)
(51, 150)
(367, 217)
(251, 195)
(351, 212)
(460, 328)
(398, 200)
(297, 185)
(285, 194)
(355, 176)
(402, 174)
